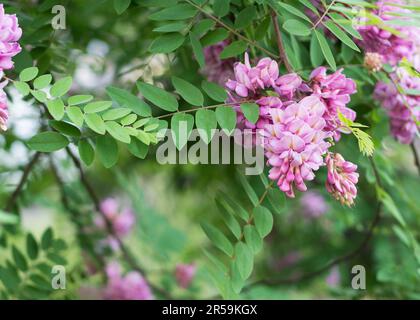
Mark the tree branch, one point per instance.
(26, 171)
(279, 40)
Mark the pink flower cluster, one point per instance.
(403, 110)
(184, 274)
(132, 286)
(296, 118)
(10, 33)
(393, 47)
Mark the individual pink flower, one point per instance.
(184, 274)
(393, 47)
(122, 219)
(287, 85)
(294, 144)
(216, 69)
(403, 110)
(132, 286)
(248, 80)
(10, 33)
(313, 204)
(4, 113)
(342, 178)
(333, 278)
(334, 90)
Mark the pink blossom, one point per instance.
(342, 178)
(184, 274)
(403, 110)
(216, 69)
(313, 204)
(290, 259)
(333, 278)
(287, 85)
(334, 90)
(393, 47)
(10, 33)
(294, 144)
(132, 286)
(4, 114)
(122, 219)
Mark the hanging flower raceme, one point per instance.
(184, 274)
(342, 178)
(295, 143)
(403, 110)
(216, 69)
(10, 34)
(132, 286)
(393, 46)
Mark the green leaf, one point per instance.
(221, 7)
(138, 148)
(28, 74)
(121, 5)
(56, 108)
(107, 150)
(116, 113)
(263, 220)
(61, 87)
(19, 259)
(188, 92)
(244, 260)
(249, 191)
(143, 137)
(64, 127)
(340, 34)
(8, 218)
(233, 49)
(391, 206)
(297, 27)
(75, 115)
(117, 131)
(95, 123)
(31, 247)
(41, 96)
(347, 25)
(245, 17)
(203, 26)
(214, 37)
(218, 238)
(278, 6)
(326, 50)
(251, 112)
(177, 12)
(253, 238)
(47, 142)
(316, 55)
(167, 43)
(171, 27)
(97, 106)
(126, 99)
(42, 81)
(214, 91)
(129, 119)
(22, 87)
(228, 217)
(262, 29)
(206, 123)
(197, 49)
(157, 96)
(181, 128)
(79, 99)
(86, 152)
(226, 117)
(47, 239)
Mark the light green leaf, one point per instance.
(167, 43)
(297, 27)
(56, 108)
(116, 113)
(226, 117)
(47, 142)
(340, 34)
(117, 131)
(279, 6)
(233, 49)
(188, 92)
(181, 128)
(8, 218)
(129, 119)
(206, 123)
(317, 57)
(42, 81)
(249, 190)
(126, 99)
(75, 115)
(263, 220)
(157, 96)
(107, 150)
(97, 106)
(95, 122)
(138, 148)
(326, 50)
(79, 99)
(61, 87)
(214, 91)
(244, 260)
(121, 5)
(22, 87)
(218, 238)
(28, 74)
(41, 96)
(253, 238)
(251, 112)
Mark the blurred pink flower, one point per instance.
(132, 286)
(184, 274)
(10, 33)
(122, 219)
(288, 260)
(342, 178)
(216, 69)
(294, 144)
(4, 113)
(313, 204)
(333, 278)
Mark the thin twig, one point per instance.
(129, 258)
(26, 171)
(279, 40)
(416, 156)
(323, 15)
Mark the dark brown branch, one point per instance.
(27, 170)
(416, 156)
(129, 258)
(279, 40)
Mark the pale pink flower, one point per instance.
(287, 85)
(184, 274)
(333, 279)
(122, 219)
(294, 144)
(313, 204)
(342, 178)
(10, 33)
